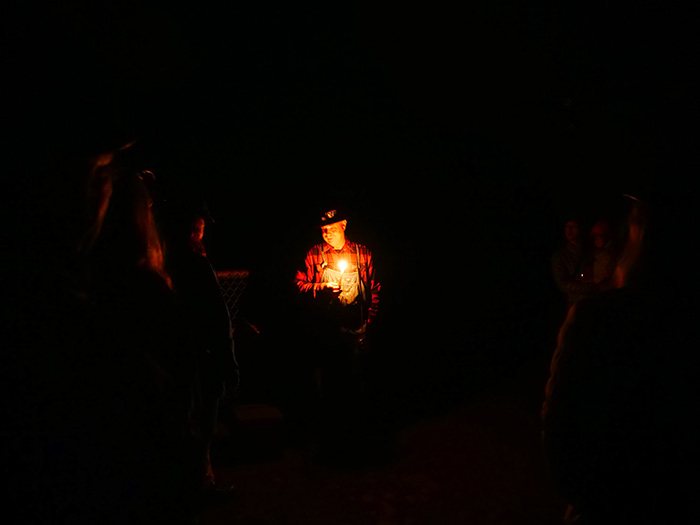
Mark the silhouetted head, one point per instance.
(197, 232)
(571, 232)
(129, 237)
(197, 235)
(601, 234)
(185, 215)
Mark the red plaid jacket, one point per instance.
(324, 255)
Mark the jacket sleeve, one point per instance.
(374, 286)
(306, 278)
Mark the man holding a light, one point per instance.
(339, 280)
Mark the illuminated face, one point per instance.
(571, 232)
(334, 234)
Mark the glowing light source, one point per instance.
(342, 265)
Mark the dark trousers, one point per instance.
(340, 377)
(207, 416)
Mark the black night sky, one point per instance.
(450, 125)
(457, 138)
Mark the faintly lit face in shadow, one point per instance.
(198, 229)
(571, 232)
(600, 234)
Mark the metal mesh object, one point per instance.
(232, 284)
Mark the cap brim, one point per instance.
(334, 220)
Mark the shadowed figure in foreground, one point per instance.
(90, 402)
(567, 266)
(208, 323)
(619, 419)
(148, 390)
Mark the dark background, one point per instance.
(459, 140)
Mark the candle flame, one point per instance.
(342, 265)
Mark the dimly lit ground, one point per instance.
(477, 462)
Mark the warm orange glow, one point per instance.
(103, 160)
(341, 266)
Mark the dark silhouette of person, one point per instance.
(95, 395)
(619, 429)
(50, 366)
(146, 388)
(567, 266)
(208, 321)
(339, 279)
(76, 80)
(603, 254)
